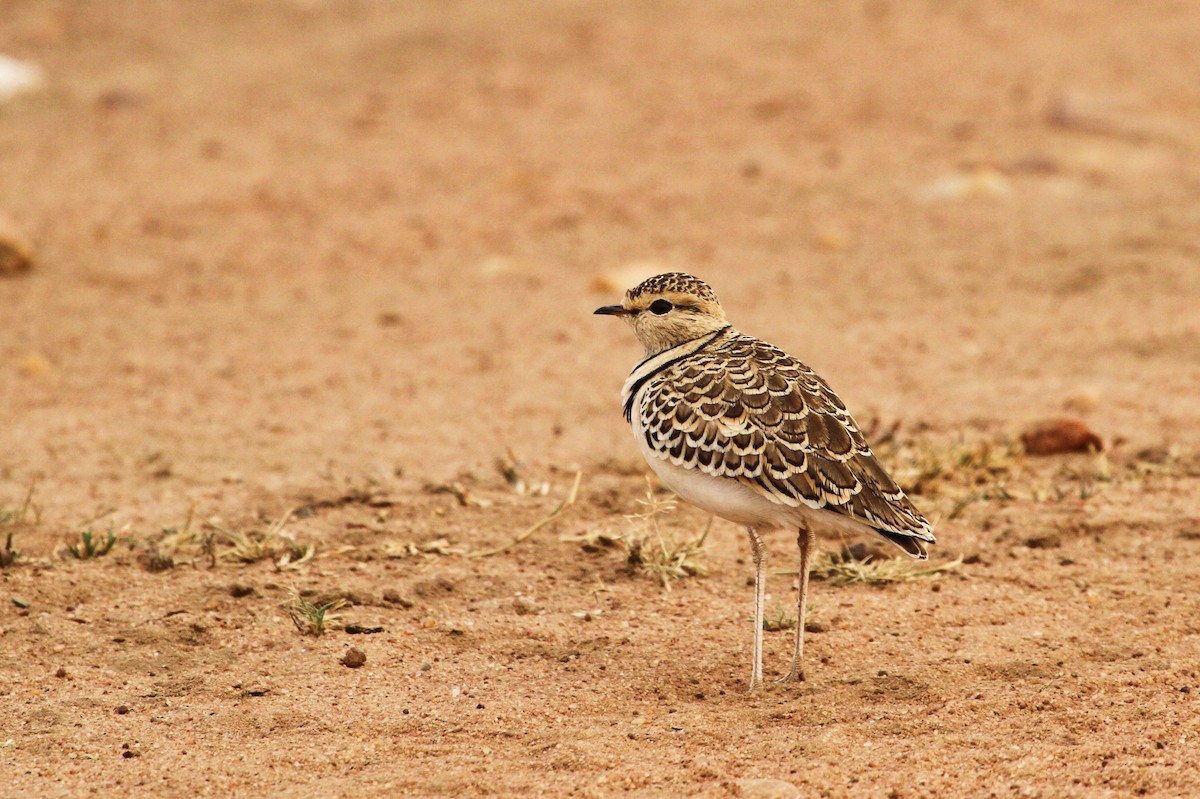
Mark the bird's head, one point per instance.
(669, 309)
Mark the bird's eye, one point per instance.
(660, 307)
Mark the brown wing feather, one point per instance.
(746, 410)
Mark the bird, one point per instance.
(740, 429)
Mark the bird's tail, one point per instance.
(912, 545)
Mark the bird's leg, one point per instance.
(797, 669)
(760, 588)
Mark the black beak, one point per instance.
(612, 310)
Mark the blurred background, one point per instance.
(269, 240)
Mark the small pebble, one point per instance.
(60, 673)
(354, 658)
(767, 789)
(393, 597)
(19, 77)
(1060, 436)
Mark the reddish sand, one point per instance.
(331, 256)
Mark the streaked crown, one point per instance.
(674, 282)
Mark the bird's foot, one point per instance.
(794, 674)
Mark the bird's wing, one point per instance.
(746, 410)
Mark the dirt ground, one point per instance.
(339, 259)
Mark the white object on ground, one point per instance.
(17, 77)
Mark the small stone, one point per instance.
(1084, 401)
(1060, 436)
(354, 658)
(1048, 541)
(60, 673)
(131, 753)
(19, 602)
(239, 590)
(35, 365)
(19, 77)
(393, 597)
(830, 240)
(122, 710)
(814, 627)
(389, 319)
(362, 629)
(523, 607)
(767, 789)
(977, 182)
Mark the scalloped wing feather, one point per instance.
(746, 410)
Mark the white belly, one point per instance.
(719, 496)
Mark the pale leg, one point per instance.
(760, 587)
(797, 669)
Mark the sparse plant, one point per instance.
(524, 535)
(646, 547)
(780, 620)
(160, 555)
(11, 517)
(9, 555)
(927, 469)
(90, 545)
(667, 557)
(510, 469)
(310, 618)
(17, 518)
(275, 543)
(156, 559)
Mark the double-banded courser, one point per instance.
(743, 430)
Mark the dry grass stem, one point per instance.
(17, 518)
(558, 511)
(664, 556)
(20, 515)
(275, 544)
(459, 492)
(407, 549)
(510, 470)
(8, 554)
(668, 557)
(840, 568)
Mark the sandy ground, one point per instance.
(341, 257)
